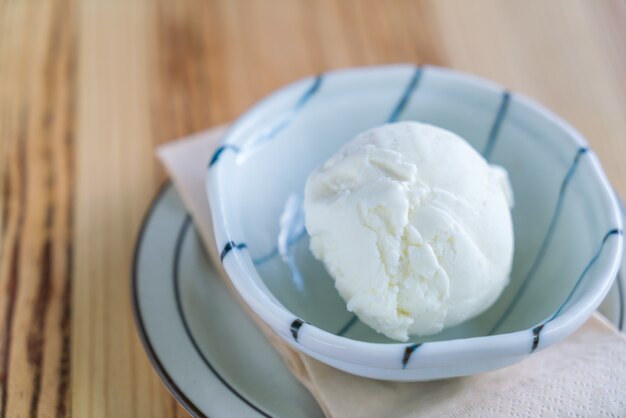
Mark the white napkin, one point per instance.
(585, 375)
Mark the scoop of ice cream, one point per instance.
(414, 226)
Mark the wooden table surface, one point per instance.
(89, 88)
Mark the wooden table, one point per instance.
(89, 88)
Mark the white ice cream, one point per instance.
(414, 226)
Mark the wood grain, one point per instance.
(89, 88)
(37, 110)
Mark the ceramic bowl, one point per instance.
(568, 231)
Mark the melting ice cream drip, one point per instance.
(291, 230)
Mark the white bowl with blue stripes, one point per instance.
(568, 228)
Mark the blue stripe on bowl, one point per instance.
(231, 245)
(537, 330)
(220, 150)
(495, 128)
(546, 241)
(586, 269)
(275, 252)
(283, 122)
(265, 258)
(295, 327)
(274, 129)
(406, 96)
(348, 325)
(408, 352)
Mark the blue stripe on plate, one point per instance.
(143, 333)
(404, 99)
(537, 330)
(546, 241)
(179, 305)
(495, 128)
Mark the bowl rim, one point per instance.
(315, 340)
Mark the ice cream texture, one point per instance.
(414, 226)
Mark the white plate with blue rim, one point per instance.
(206, 349)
